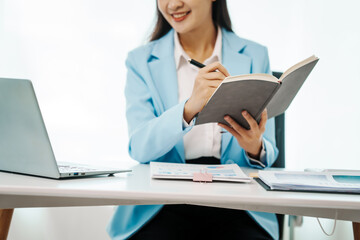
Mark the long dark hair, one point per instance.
(220, 16)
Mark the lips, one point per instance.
(178, 17)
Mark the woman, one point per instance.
(164, 93)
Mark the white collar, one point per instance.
(180, 53)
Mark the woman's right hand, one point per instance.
(207, 80)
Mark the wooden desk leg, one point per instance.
(5, 220)
(356, 230)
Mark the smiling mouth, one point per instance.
(180, 16)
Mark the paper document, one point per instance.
(223, 172)
(344, 182)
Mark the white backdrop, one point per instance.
(74, 52)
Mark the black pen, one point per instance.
(196, 63)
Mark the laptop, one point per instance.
(24, 142)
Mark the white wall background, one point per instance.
(74, 52)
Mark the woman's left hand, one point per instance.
(250, 140)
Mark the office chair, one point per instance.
(280, 135)
(280, 163)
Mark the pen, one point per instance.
(196, 63)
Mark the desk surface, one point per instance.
(17, 191)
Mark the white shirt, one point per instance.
(202, 140)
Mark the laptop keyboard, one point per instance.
(70, 169)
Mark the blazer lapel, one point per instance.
(162, 68)
(236, 63)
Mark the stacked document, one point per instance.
(223, 172)
(342, 182)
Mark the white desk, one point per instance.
(19, 191)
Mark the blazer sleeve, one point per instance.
(152, 132)
(271, 151)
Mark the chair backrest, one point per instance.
(280, 135)
(280, 161)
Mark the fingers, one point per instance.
(240, 130)
(207, 80)
(252, 122)
(263, 121)
(214, 75)
(215, 66)
(249, 140)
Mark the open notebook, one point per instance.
(223, 172)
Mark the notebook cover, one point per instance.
(267, 188)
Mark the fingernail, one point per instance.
(244, 113)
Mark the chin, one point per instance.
(182, 29)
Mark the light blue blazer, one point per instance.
(154, 118)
